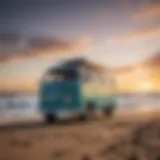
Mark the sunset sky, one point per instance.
(36, 33)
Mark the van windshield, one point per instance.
(61, 75)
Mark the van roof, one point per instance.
(80, 62)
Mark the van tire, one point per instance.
(50, 119)
(83, 117)
(109, 111)
(90, 108)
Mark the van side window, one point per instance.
(86, 75)
(83, 74)
(93, 76)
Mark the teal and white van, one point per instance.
(76, 87)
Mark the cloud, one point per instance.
(139, 35)
(123, 69)
(152, 61)
(55, 44)
(40, 47)
(149, 10)
(9, 38)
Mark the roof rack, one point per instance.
(79, 62)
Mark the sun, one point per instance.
(146, 86)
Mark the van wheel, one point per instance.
(50, 119)
(88, 112)
(109, 111)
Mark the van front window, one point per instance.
(61, 75)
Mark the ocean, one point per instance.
(19, 108)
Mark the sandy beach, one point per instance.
(128, 135)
